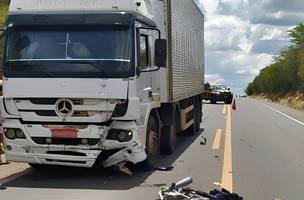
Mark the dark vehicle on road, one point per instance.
(217, 92)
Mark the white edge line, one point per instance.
(275, 110)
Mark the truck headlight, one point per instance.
(13, 133)
(120, 135)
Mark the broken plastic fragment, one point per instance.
(122, 168)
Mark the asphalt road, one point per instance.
(257, 151)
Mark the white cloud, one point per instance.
(242, 36)
(210, 6)
(227, 33)
(214, 78)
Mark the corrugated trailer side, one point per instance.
(185, 33)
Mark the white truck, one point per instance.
(104, 82)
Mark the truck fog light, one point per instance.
(48, 140)
(9, 147)
(84, 141)
(10, 134)
(20, 134)
(124, 136)
(120, 135)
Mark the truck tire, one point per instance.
(198, 115)
(228, 100)
(196, 125)
(168, 139)
(212, 100)
(152, 142)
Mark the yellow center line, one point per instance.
(217, 139)
(227, 167)
(225, 109)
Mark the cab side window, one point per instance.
(144, 55)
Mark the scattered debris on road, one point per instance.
(121, 167)
(160, 184)
(164, 168)
(204, 142)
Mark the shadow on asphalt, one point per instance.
(96, 179)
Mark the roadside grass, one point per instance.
(295, 101)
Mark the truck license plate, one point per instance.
(65, 133)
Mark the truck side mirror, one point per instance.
(161, 53)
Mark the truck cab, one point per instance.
(85, 82)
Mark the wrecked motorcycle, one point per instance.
(177, 191)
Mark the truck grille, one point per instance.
(82, 110)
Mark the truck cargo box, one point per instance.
(185, 34)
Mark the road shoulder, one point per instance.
(296, 114)
(12, 170)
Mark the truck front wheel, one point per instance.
(213, 100)
(152, 142)
(229, 100)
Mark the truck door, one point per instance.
(145, 65)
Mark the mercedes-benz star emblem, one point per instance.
(64, 108)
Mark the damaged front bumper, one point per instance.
(27, 150)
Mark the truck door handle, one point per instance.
(150, 94)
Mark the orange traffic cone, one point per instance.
(234, 105)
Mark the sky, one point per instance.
(243, 36)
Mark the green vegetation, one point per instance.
(3, 12)
(285, 76)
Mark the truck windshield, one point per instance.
(217, 87)
(104, 52)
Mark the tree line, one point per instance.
(3, 12)
(286, 74)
